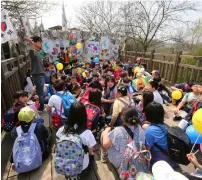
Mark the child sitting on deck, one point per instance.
(75, 127)
(28, 123)
(189, 99)
(114, 141)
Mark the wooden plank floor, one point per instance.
(99, 171)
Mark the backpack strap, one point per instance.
(195, 107)
(123, 102)
(159, 147)
(32, 128)
(19, 131)
(129, 131)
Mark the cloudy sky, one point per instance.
(54, 17)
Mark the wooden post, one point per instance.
(198, 64)
(151, 60)
(4, 89)
(2, 53)
(176, 67)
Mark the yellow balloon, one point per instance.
(79, 70)
(59, 66)
(84, 74)
(78, 46)
(176, 95)
(197, 120)
(136, 70)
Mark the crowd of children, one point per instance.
(109, 102)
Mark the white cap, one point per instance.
(162, 170)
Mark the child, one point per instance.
(118, 71)
(128, 83)
(189, 99)
(77, 124)
(77, 75)
(196, 106)
(76, 88)
(28, 82)
(68, 70)
(115, 142)
(109, 93)
(130, 69)
(26, 118)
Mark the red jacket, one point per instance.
(117, 74)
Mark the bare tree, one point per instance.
(100, 17)
(152, 22)
(33, 8)
(189, 37)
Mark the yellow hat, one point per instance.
(26, 114)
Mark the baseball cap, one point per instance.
(26, 114)
(162, 170)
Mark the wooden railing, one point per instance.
(174, 68)
(13, 71)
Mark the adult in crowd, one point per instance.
(37, 68)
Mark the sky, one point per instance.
(54, 17)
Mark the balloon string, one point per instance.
(195, 143)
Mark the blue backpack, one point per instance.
(67, 100)
(69, 155)
(27, 153)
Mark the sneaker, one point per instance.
(104, 157)
(42, 111)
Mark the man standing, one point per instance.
(37, 68)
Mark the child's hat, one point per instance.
(26, 114)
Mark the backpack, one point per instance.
(135, 159)
(56, 119)
(93, 114)
(8, 120)
(67, 100)
(69, 155)
(85, 97)
(27, 153)
(179, 145)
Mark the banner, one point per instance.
(65, 44)
(105, 48)
(47, 46)
(93, 49)
(115, 50)
(104, 43)
(7, 30)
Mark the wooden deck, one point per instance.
(47, 172)
(100, 171)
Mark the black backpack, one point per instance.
(179, 145)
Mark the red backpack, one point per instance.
(85, 97)
(93, 114)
